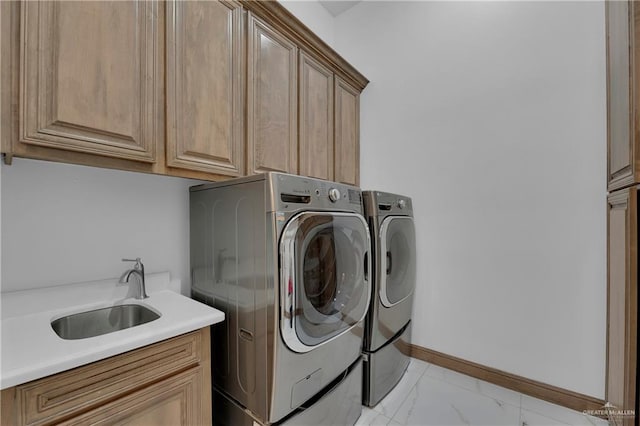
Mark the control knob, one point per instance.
(402, 204)
(334, 194)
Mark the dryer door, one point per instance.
(397, 259)
(325, 270)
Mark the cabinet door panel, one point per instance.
(622, 294)
(620, 106)
(347, 133)
(174, 401)
(272, 101)
(90, 77)
(204, 82)
(316, 119)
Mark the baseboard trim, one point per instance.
(566, 398)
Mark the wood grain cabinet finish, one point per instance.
(198, 89)
(622, 301)
(623, 86)
(347, 133)
(316, 119)
(88, 77)
(272, 142)
(623, 172)
(164, 383)
(205, 86)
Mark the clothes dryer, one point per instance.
(388, 322)
(286, 258)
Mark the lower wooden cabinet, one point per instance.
(167, 383)
(622, 303)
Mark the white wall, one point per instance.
(65, 224)
(314, 16)
(491, 115)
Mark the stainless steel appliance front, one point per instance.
(288, 263)
(388, 321)
(322, 268)
(341, 404)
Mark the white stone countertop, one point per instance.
(30, 349)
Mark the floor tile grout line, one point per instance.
(520, 421)
(518, 405)
(552, 416)
(409, 392)
(475, 392)
(517, 400)
(404, 376)
(546, 416)
(377, 414)
(520, 398)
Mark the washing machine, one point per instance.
(388, 322)
(286, 258)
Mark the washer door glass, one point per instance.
(397, 259)
(325, 270)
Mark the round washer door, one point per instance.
(324, 274)
(397, 259)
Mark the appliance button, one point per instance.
(334, 194)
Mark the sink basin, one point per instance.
(102, 321)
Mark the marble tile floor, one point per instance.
(429, 395)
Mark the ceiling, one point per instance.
(335, 8)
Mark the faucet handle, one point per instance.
(137, 260)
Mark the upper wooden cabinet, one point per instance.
(623, 137)
(205, 86)
(316, 119)
(89, 78)
(201, 89)
(272, 139)
(347, 133)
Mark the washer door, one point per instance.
(397, 259)
(325, 270)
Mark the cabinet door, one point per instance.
(316, 119)
(204, 86)
(347, 133)
(620, 89)
(271, 101)
(175, 401)
(622, 300)
(89, 77)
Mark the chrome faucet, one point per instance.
(138, 269)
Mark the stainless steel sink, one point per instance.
(102, 321)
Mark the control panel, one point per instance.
(296, 192)
(385, 203)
